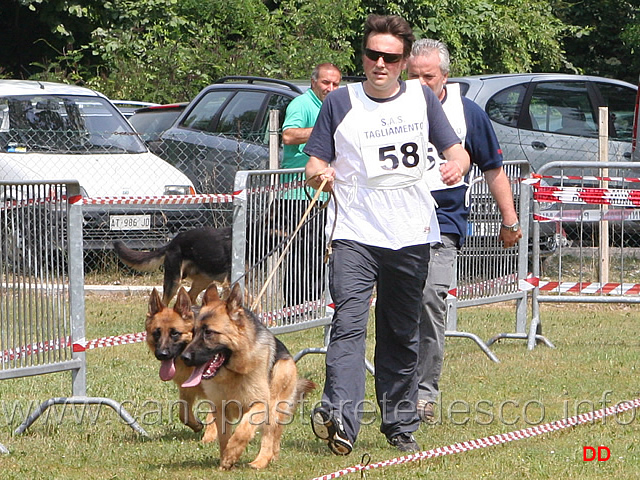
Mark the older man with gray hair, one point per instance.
(429, 62)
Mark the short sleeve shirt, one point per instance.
(302, 112)
(482, 145)
(353, 132)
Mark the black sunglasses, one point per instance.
(386, 57)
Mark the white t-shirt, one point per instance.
(378, 148)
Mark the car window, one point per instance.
(620, 101)
(150, 124)
(203, 114)
(276, 102)
(239, 116)
(504, 107)
(65, 124)
(562, 107)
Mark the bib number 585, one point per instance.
(410, 157)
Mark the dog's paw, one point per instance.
(259, 463)
(196, 427)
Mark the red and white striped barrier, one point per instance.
(618, 197)
(82, 345)
(492, 440)
(190, 199)
(593, 288)
(483, 287)
(39, 347)
(129, 338)
(595, 215)
(535, 177)
(161, 199)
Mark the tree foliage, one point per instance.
(608, 42)
(488, 36)
(167, 50)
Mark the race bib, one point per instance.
(392, 137)
(394, 165)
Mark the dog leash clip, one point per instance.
(327, 253)
(364, 461)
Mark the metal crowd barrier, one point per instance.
(596, 204)
(278, 255)
(269, 204)
(278, 252)
(486, 272)
(42, 288)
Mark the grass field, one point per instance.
(596, 361)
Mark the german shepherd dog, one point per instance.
(247, 374)
(202, 255)
(169, 331)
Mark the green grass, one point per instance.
(597, 352)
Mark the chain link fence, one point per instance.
(122, 186)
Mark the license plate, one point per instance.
(130, 222)
(484, 229)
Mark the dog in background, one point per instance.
(169, 331)
(202, 255)
(246, 373)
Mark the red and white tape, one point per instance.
(591, 215)
(492, 440)
(536, 178)
(190, 199)
(130, 338)
(618, 197)
(485, 287)
(591, 288)
(161, 200)
(39, 347)
(82, 345)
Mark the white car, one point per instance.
(52, 131)
(546, 117)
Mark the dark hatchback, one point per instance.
(225, 128)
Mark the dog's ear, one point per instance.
(183, 304)
(155, 303)
(210, 295)
(234, 300)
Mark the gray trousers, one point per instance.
(399, 277)
(434, 315)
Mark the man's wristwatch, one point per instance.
(512, 228)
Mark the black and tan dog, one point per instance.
(246, 373)
(202, 255)
(169, 331)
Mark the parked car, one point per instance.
(226, 128)
(635, 146)
(150, 122)
(551, 117)
(52, 131)
(128, 107)
(543, 118)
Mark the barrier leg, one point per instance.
(521, 336)
(129, 420)
(323, 350)
(484, 347)
(3, 449)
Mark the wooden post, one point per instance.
(274, 140)
(603, 156)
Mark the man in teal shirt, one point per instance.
(302, 113)
(301, 282)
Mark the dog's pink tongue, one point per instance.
(195, 377)
(167, 370)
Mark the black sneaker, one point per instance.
(405, 442)
(329, 428)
